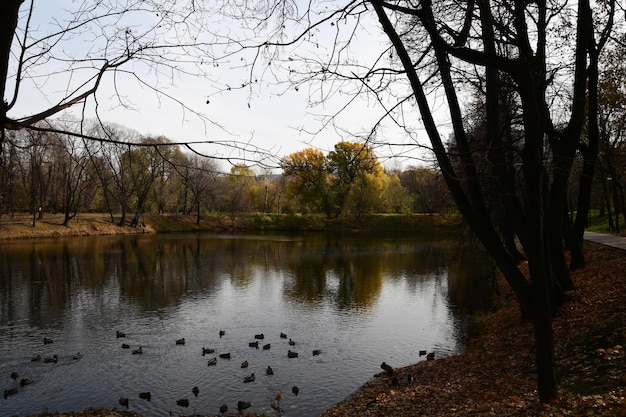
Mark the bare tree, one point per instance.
(200, 177)
(80, 56)
(436, 50)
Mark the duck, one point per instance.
(283, 335)
(147, 395)
(207, 351)
(125, 346)
(25, 381)
(180, 341)
(316, 352)
(269, 371)
(195, 391)
(51, 359)
(119, 334)
(222, 333)
(249, 378)
(254, 344)
(36, 358)
(123, 402)
(292, 354)
(242, 405)
(430, 356)
(422, 352)
(77, 357)
(295, 390)
(138, 351)
(223, 408)
(212, 362)
(260, 336)
(244, 364)
(14, 375)
(267, 347)
(183, 402)
(225, 355)
(386, 368)
(9, 392)
(47, 341)
(291, 343)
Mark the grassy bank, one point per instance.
(101, 224)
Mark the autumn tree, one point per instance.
(309, 180)
(356, 174)
(239, 191)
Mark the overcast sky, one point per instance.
(268, 116)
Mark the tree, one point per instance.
(82, 58)
(78, 184)
(239, 192)
(200, 177)
(425, 186)
(355, 169)
(611, 116)
(439, 48)
(309, 174)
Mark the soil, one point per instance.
(496, 375)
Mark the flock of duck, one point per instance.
(212, 361)
(241, 405)
(182, 402)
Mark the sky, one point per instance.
(197, 107)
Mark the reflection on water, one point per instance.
(360, 300)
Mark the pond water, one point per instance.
(359, 300)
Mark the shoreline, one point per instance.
(99, 224)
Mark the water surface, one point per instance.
(360, 300)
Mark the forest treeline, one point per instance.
(47, 172)
(55, 173)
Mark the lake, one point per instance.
(358, 299)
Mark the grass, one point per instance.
(600, 223)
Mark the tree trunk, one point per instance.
(9, 10)
(544, 336)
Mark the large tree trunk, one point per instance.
(9, 10)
